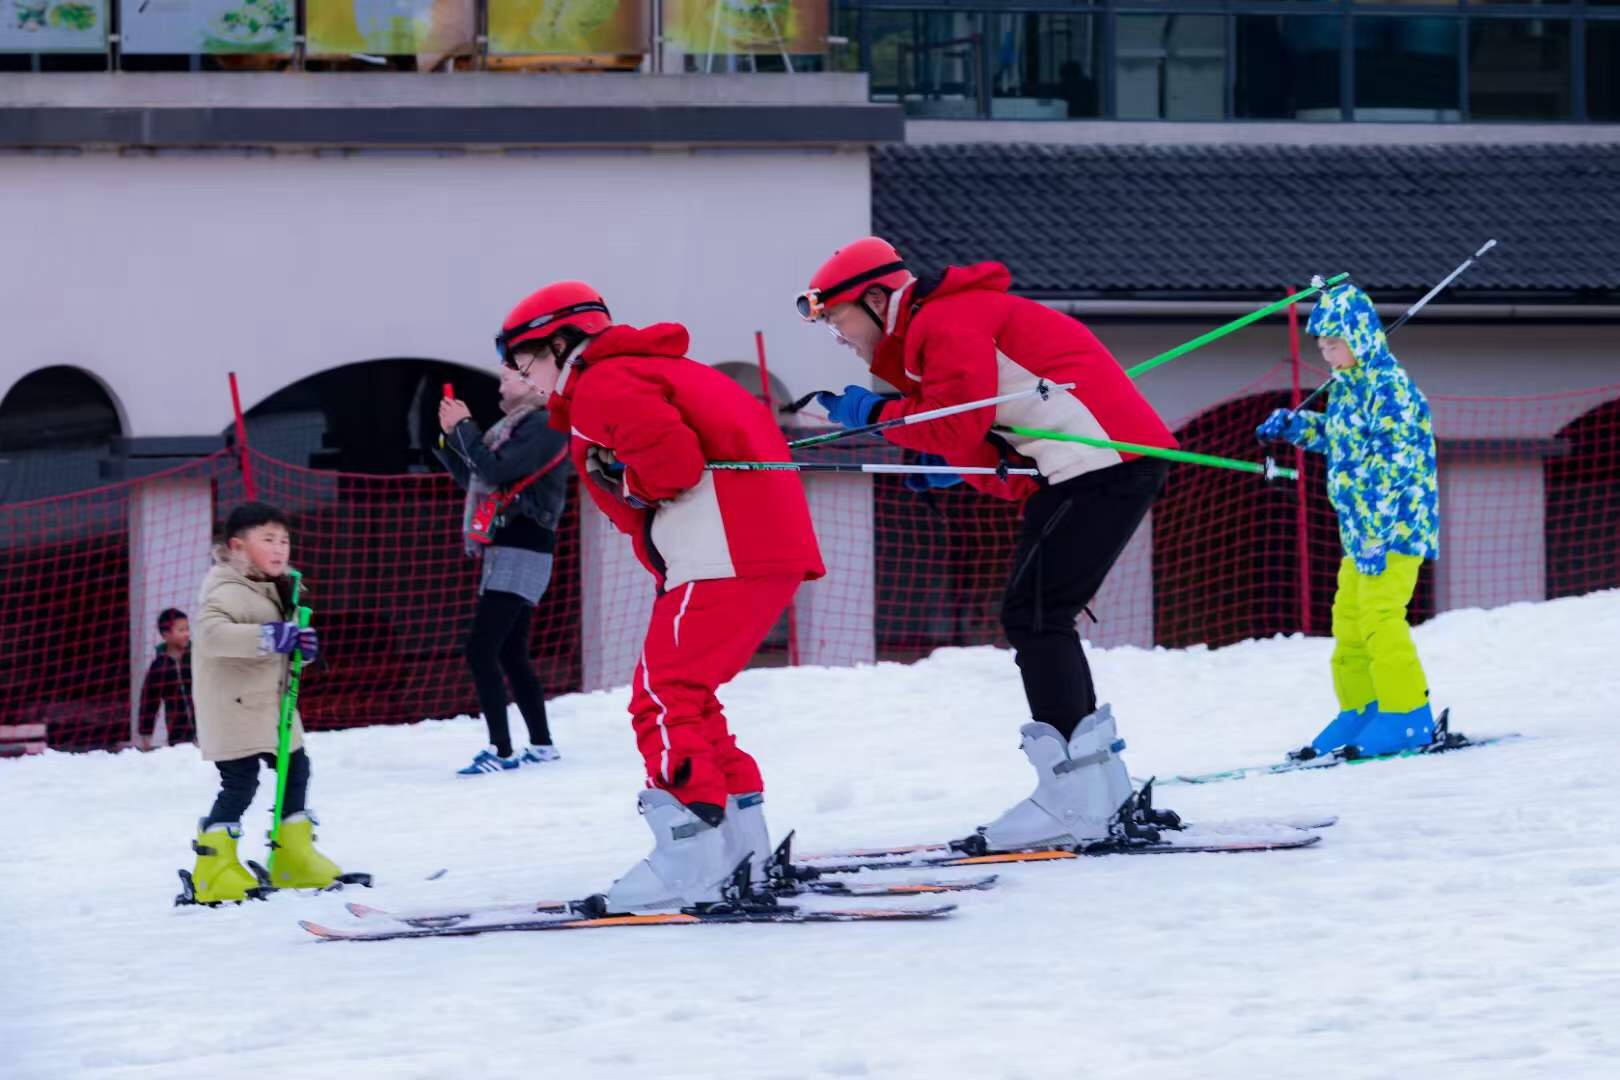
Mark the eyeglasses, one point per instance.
(508, 337)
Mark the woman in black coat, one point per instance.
(516, 478)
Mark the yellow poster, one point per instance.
(746, 26)
(389, 27)
(571, 27)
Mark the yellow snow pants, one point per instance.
(1373, 655)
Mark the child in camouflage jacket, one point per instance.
(1378, 436)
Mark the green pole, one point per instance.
(1236, 324)
(289, 708)
(1270, 470)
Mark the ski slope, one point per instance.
(1460, 921)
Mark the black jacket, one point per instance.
(168, 683)
(531, 521)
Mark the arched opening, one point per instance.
(748, 377)
(1583, 505)
(57, 425)
(1227, 545)
(376, 416)
(66, 565)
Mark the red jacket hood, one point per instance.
(657, 340)
(888, 362)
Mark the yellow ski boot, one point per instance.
(217, 877)
(295, 864)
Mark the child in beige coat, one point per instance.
(243, 638)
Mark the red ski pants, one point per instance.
(701, 635)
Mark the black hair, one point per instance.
(250, 516)
(570, 336)
(169, 617)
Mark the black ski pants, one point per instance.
(239, 779)
(1073, 533)
(499, 643)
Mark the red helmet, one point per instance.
(852, 270)
(543, 313)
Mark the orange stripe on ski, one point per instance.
(634, 920)
(1012, 856)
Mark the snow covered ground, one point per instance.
(1461, 920)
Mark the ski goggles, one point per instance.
(506, 339)
(812, 303)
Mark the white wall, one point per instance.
(159, 274)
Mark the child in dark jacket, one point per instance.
(168, 684)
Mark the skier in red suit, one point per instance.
(726, 548)
(957, 337)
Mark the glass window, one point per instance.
(1519, 69)
(1170, 67)
(928, 60)
(1407, 67)
(1045, 66)
(1287, 67)
(1603, 69)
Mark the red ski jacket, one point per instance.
(665, 416)
(965, 338)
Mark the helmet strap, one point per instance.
(870, 314)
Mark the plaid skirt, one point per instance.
(516, 570)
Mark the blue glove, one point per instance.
(855, 407)
(284, 637)
(1283, 425)
(921, 482)
(1372, 559)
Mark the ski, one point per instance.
(1450, 742)
(966, 856)
(1249, 828)
(1137, 829)
(858, 889)
(579, 919)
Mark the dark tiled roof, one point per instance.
(1087, 221)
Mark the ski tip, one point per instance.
(439, 873)
(363, 911)
(325, 933)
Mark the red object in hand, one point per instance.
(449, 390)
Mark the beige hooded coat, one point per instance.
(237, 687)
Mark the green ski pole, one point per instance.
(1317, 285)
(1270, 469)
(289, 708)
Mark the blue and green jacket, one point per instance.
(1378, 436)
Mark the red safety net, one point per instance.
(1530, 491)
(384, 571)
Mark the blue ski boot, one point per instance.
(1390, 733)
(1341, 730)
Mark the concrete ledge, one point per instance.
(394, 89)
(762, 125)
(447, 111)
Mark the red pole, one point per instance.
(1300, 521)
(770, 404)
(241, 439)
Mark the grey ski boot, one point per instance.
(747, 836)
(1080, 787)
(686, 867)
